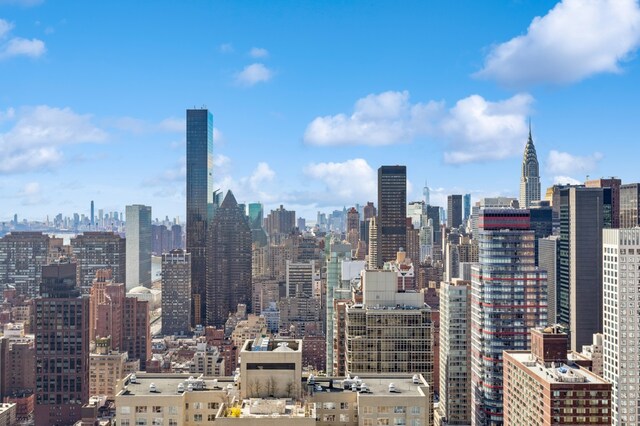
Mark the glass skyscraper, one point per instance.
(199, 203)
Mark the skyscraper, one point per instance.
(579, 277)
(392, 212)
(530, 177)
(455, 350)
(199, 203)
(620, 259)
(508, 297)
(454, 210)
(353, 227)
(139, 246)
(466, 207)
(176, 292)
(228, 262)
(93, 217)
(62, 347)
(99, 250)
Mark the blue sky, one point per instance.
(309, 98)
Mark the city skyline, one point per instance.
(436, 95)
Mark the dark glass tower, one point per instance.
(392, 212)
(454, 211)
(199, 203)
(229, 262)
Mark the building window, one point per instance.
(125, 410)
(415, 410)
(173, 422)
(344, 406)
(383, 421)
(198, 405)
(141, 409)
(173, 409)
(344, 417)
(157, 409)
(197, 417)
(211, 417)
(124, 422)
(213, 405)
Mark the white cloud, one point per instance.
(18, 46)
(480, 130)
(5, 27)
(575, 40)
(258, 52)
(7, 115)
(220, 160)
(226, 48)
(563, 180)
(253, 74)
(262, 173)
(348, 181)
(35, 139)
(475, 129)
(563, 163)
(31, 194)
(173, 124)
(218, 137)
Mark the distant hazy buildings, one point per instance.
(62, 347)
(228, 263)
(99, 250)
(139, 246)
(199, 203)
(392, 212)
(176, 292)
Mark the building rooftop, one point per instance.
(268, 344)
(375, 385)
(271, 407)
(555, 372)
(169, 384)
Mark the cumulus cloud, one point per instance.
(480, 130)
(563, 163)
(254, 74)
(35, 140)
(18, 46)
(574, 40)
(258, 52)
(262, 173)
(346, 181)
(474, 129)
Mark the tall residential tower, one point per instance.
(199, 203)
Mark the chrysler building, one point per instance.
(530, 179)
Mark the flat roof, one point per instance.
(167, 384)
(556, 373)
(376, 385)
